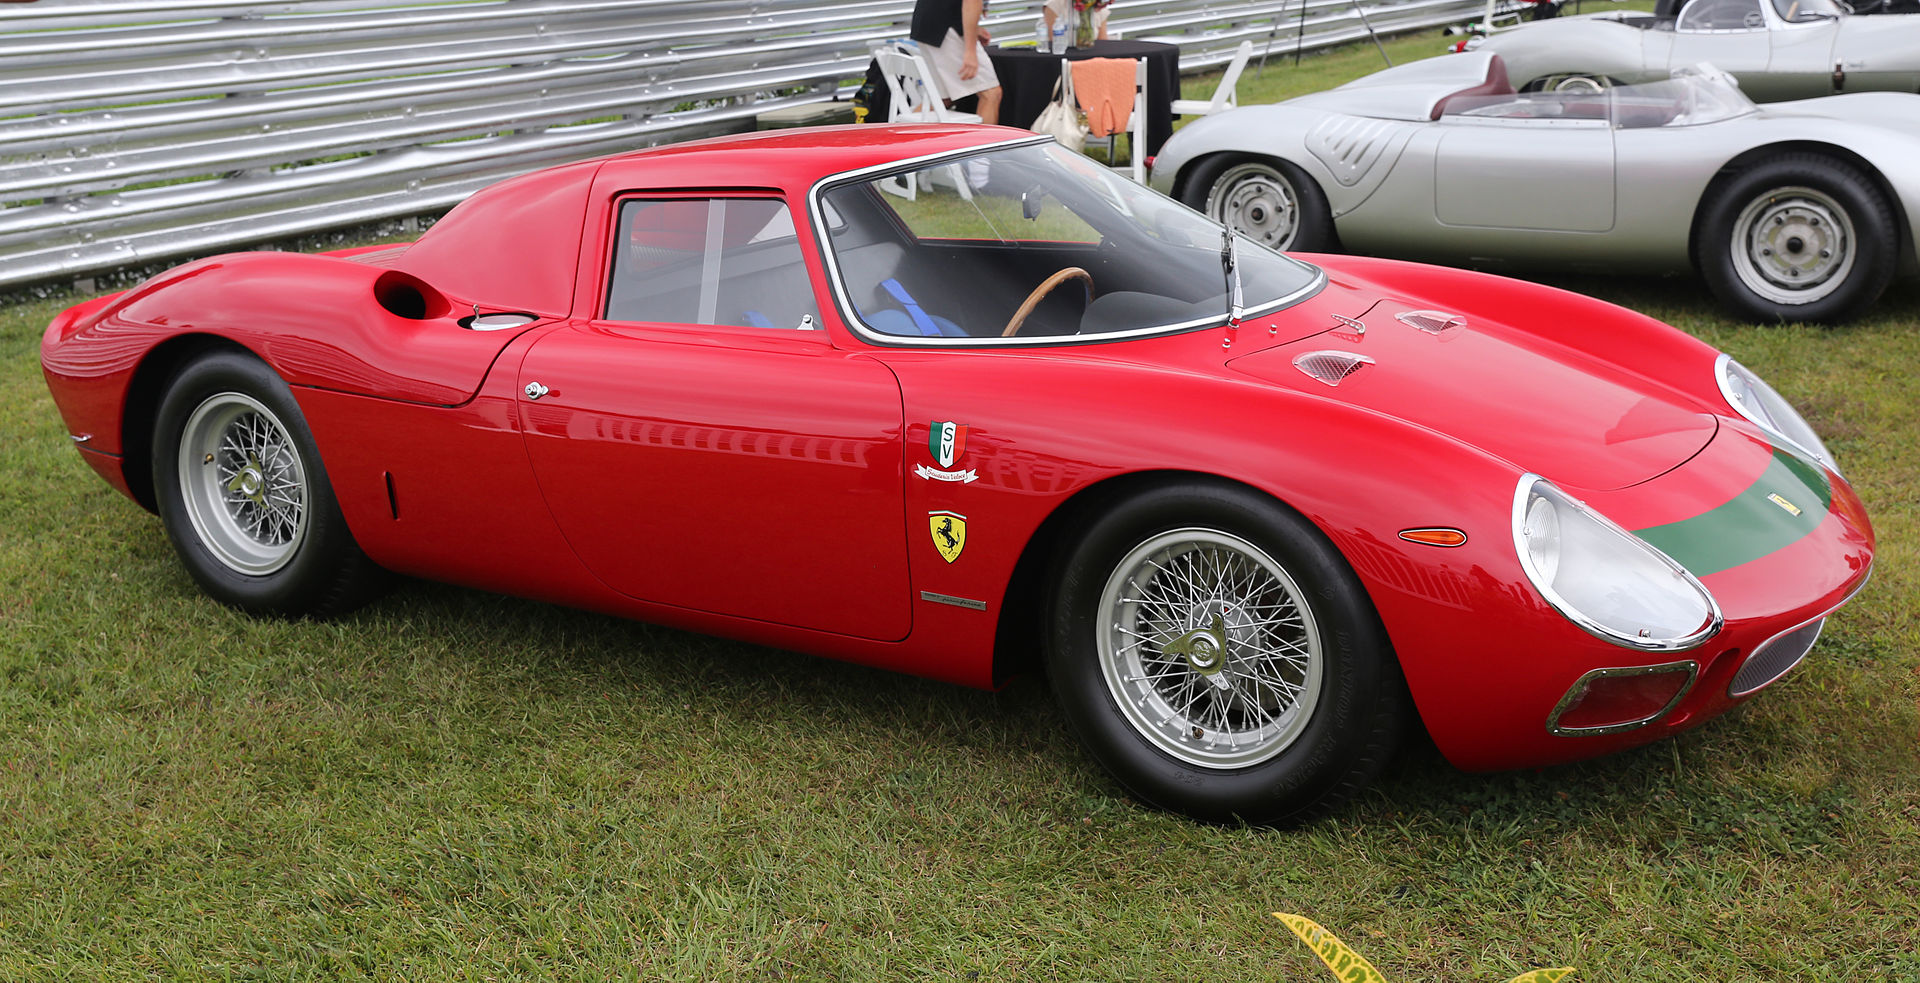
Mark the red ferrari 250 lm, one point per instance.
(952, 400)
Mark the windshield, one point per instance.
(1033, 243)
(1700, 94)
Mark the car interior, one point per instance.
(905, 275)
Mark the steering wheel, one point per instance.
(1046, 286)
(1754, 19)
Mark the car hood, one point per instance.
(1582, 421)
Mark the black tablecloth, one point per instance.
(1027, 76)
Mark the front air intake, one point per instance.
(1775, 659)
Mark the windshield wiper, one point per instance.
(1235, 307)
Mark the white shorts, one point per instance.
(945, 62)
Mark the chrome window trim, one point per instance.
(1715, 620)
(844, 304)
(1579, 688)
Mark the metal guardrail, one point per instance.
(133, 131)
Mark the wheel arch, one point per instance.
(1183, 181)
(1903, 230)
(1023, 614)
(140, 410)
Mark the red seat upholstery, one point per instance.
(1495, 84)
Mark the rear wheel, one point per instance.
(244, 497)
(1272, 202)
(1216, 654)
(1800, 237)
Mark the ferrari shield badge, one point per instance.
(946, 441)
(949, 533)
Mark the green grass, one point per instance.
(453, 785)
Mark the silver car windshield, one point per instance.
(1033, 243)
(1692, 96)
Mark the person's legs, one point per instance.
(946, 62)
(989, 108)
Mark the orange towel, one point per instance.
(1104, 88)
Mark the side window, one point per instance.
(730, 261)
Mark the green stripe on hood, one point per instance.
(1753, 524)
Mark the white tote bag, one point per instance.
(1061, 119)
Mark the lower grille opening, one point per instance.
(1775, 659)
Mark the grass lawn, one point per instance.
(449, 785)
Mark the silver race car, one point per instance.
(1778, 49)
(1800, 211)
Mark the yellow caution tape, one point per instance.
(1349, 967)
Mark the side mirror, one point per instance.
(1031, 201)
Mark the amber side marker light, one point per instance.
(1435, 536)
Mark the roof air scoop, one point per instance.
(1432, 322)
(1330, 367)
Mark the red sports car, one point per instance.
(952, 400)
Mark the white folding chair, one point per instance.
(1136, 123)
(1224, 96)
(914, 94)
(914, 97)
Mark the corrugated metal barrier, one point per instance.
(139, 130)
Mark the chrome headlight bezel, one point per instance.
(1625, 549)
(1761, 405)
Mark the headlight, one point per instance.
(1604, 578)
(1754, 399)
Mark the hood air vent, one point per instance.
(1432, 322)
(1330, 367)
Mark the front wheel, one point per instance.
(244, 498)
(1272, 202)
(1801, 237)
(1217, 655)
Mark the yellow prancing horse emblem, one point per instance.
(949, 533)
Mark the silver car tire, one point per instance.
(244, 498)
(1798, 237)
(1216, 654)
(1273, 202)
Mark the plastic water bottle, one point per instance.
(1052, 42)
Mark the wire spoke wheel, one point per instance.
(1793, 245)
(243, 484)
(1209, 649)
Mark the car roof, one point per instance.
(514, 243)
(796, 158)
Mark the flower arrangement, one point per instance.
(1085, 21)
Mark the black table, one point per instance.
(1027, 76)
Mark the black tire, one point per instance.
(252, 516)
(1282, 747)
(1273, 202)
(1798, 237)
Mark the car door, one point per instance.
(1732, 35)
(702, 444)
(1546, 165)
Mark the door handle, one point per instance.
(536, 390)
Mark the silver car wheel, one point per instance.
(1257, 201)
(1793, 245)
(1579, 85)
(243, 484)
(1209, 648)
